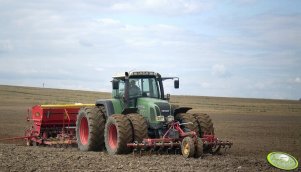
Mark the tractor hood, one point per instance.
(161, 107)
(156, 111)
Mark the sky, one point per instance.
(224, 48)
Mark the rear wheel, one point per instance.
(189, 122)
(188, 147)
(139, 127)
(118, 132)
(198, 148)
(205, 126)
(90, 129)
(204, 123)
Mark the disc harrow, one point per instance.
(173, 141)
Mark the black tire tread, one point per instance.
(139, 126)
(124, 133)
(96, 124)
(205, 124)
(187, 117)
(198, 148)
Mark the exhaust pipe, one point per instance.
(126, 90)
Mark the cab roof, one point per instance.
(137, 73)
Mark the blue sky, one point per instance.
(230, 48)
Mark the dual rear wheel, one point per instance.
(90, 129)
(202, 124)
(118, 133)
(205, 127)
(121, 129)
(94, 132)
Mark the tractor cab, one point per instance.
(143, 93)
(141, 86)
(134, 85)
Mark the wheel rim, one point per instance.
(186, 148)
(84, 131)
(112, 136)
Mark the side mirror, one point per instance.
(176, 83)
(115, 84)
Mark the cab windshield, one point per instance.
(140, 87)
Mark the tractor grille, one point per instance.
(164, 109)
(152, 114)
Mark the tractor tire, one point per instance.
(204, 124)
(187, 147)
(118, 132)
(139, 127)
(198, 148)
(187, 118)
(90, 125)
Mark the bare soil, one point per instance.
(255, 126)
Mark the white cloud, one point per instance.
(109, 22)
(122, 6)
(99, 69)
(6, 46)
(270, 31)
(219, 70)
(259, 86)
(205, 84)
(165, 7)
(293, 81)
(297, 80)
(245, 2)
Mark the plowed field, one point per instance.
(255, 126)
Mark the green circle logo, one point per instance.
(282, 160)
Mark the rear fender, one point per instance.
(181, 110)
(108, 105)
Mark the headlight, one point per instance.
(170, 118)
(160, 118)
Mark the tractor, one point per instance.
(140, 117)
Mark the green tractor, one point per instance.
(140, 117)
